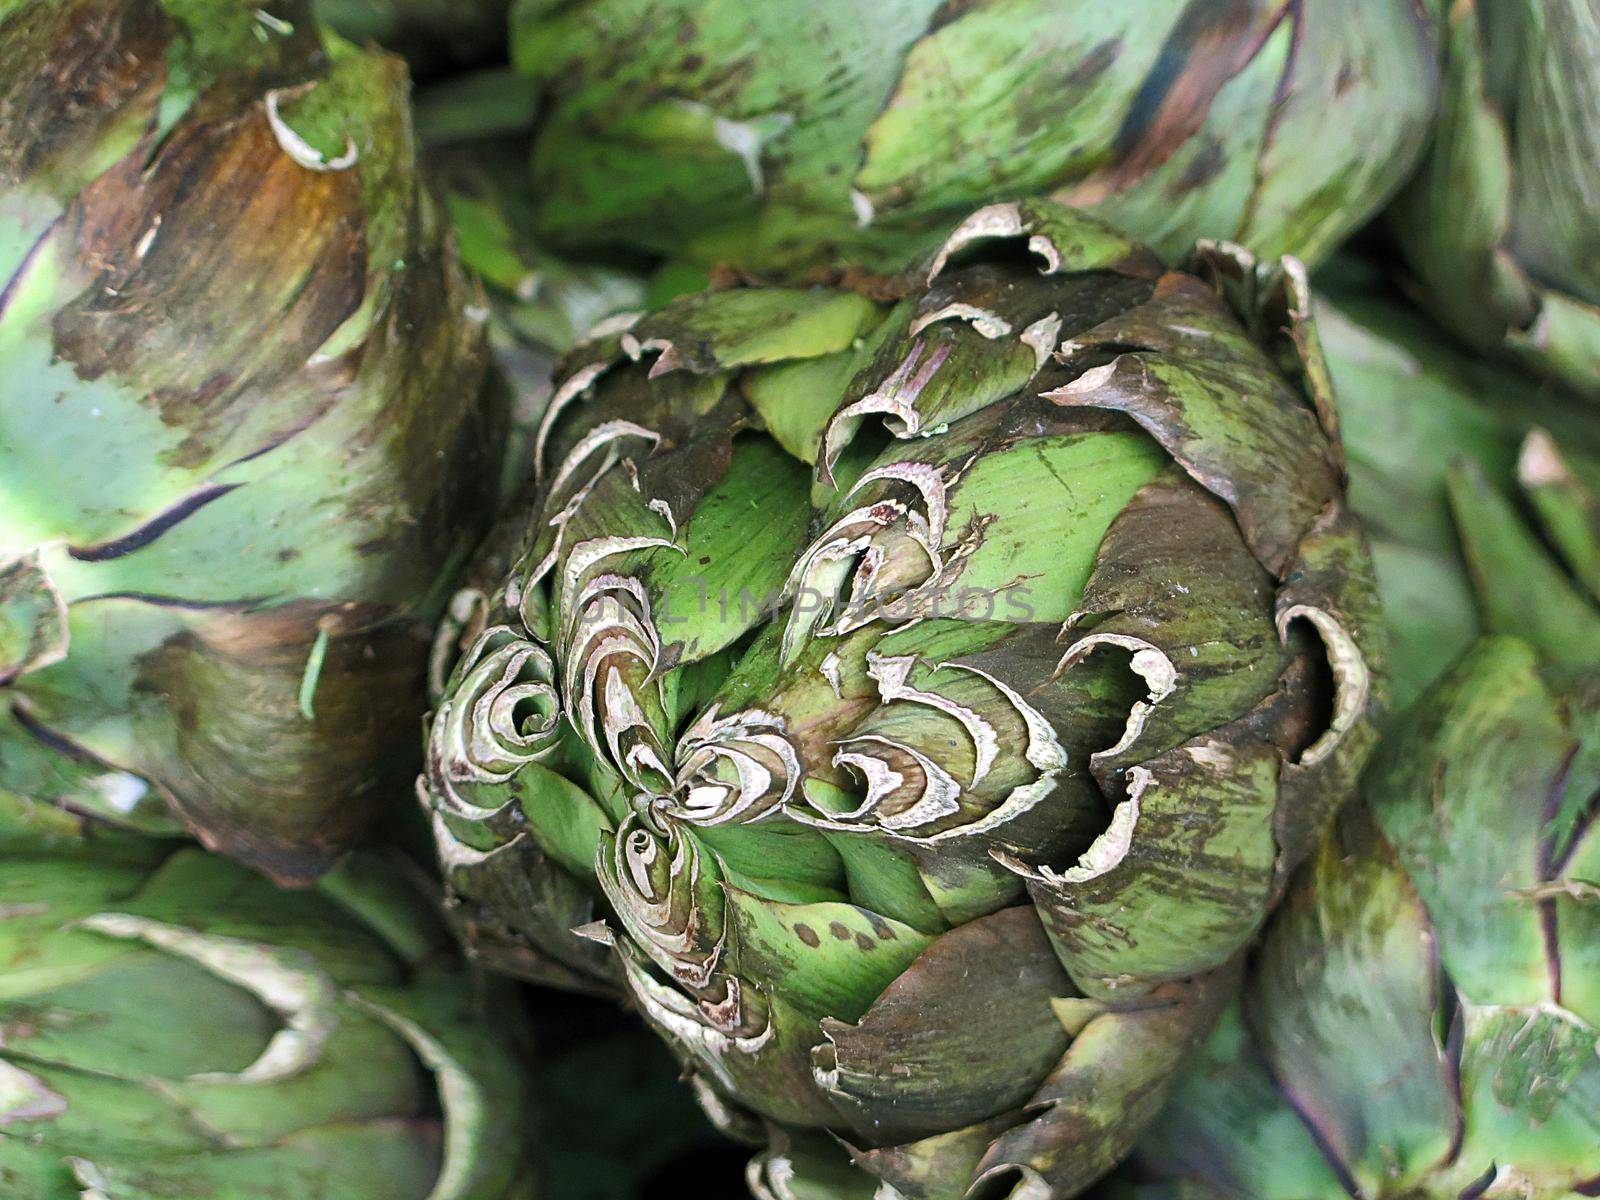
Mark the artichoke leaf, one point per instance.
(1530, 1085)
(519, 910)
(1565, 492)
(1175, 588)
(1228, 1131)
(1124, 1059)
(747, 1043)
(1275, 471)
(1351, 962)
(943, 1046)
(826, 958)
(713, 331)
(1492, 732)
(1179, 879)
(1522, 591)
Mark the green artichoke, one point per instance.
(1498, 227)
(913, 703)
(777, 136)
(176, 1027)
(1480, 493)
(1423, 1017)
(245, 444)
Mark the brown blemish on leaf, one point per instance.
(375, 546)
(1204, 167)
(248, 771)
(1095, 63)
(224, 242)
(1211, 44)
(1038, 105)
(807, 935)
(839, 930)
(69, 70)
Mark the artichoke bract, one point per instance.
(778, 136)
(1497, 228)
(1422, 1017)
(914, 702)
(1479, 492)
(245, 442)
(177, 1027)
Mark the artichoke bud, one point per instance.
(1284, 129)
(961, 674)
(248, 441)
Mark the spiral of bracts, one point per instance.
(866, 645)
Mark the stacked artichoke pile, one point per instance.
(1016, 583)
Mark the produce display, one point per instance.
(849, 600)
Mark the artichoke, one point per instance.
(245, 441)
(1498, 227)
(914, 701)
(1479, 491)
(1422, 1019)
(776, 136)
(176, 1027)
